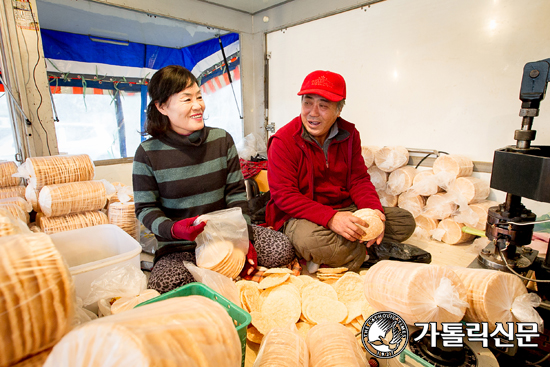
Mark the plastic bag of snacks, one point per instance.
(223, 244)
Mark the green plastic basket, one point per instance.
(240, 317)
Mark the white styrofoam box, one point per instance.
(92, 251)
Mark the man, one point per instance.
(317, 178)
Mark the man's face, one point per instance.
(318, 115)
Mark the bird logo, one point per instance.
(385, 334)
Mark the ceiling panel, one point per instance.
(100, 20)
(248, 6)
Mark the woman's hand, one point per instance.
(185, 230)
(251, 261)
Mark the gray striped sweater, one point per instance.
(177, 177)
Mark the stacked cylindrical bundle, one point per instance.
(458, 165)
(283, 347)
(416, 292)
(12, 192)
(448, 191)
(69, 222)
(181, 331)
(73, 197)
(332, 345)
(368, 153)
(59, 169)
(495, 296)
(401, 180)
(378, 177)
(37, 302)
(451, 231)
(123, 215)
(7, 169)
(480, 211)
(388, 159)
(425, 183)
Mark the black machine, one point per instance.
(522, 170)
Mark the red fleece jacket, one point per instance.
(305, 185)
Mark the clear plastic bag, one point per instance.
(218, 282)
(222, 226)
(120, 281)
(250, 146)
(283, 347)
(81, 314)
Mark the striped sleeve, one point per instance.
(146, 197)
(235, 191)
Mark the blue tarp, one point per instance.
(75, 47)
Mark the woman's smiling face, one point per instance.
(185, 110)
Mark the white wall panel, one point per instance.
(425, 74)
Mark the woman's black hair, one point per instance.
(165, 82)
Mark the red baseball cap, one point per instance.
(327, 84)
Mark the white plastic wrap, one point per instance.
(7, 169)
(496, 296)
(387, 199)
(416, 292)
(479, 214)
(181, 331)
(32, 197)
(218, 282)
(412, 202)
(440, 206)
(82, 315)
(334, 345)
(73, 197)
(283, 347)
(42, 171)
(251, 145)
(378, 177)
(223, 244)
(389, 159)
(36, 296)
(120, 281)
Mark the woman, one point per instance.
(187, 169)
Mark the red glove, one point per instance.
(251, 261)
(185, 230)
